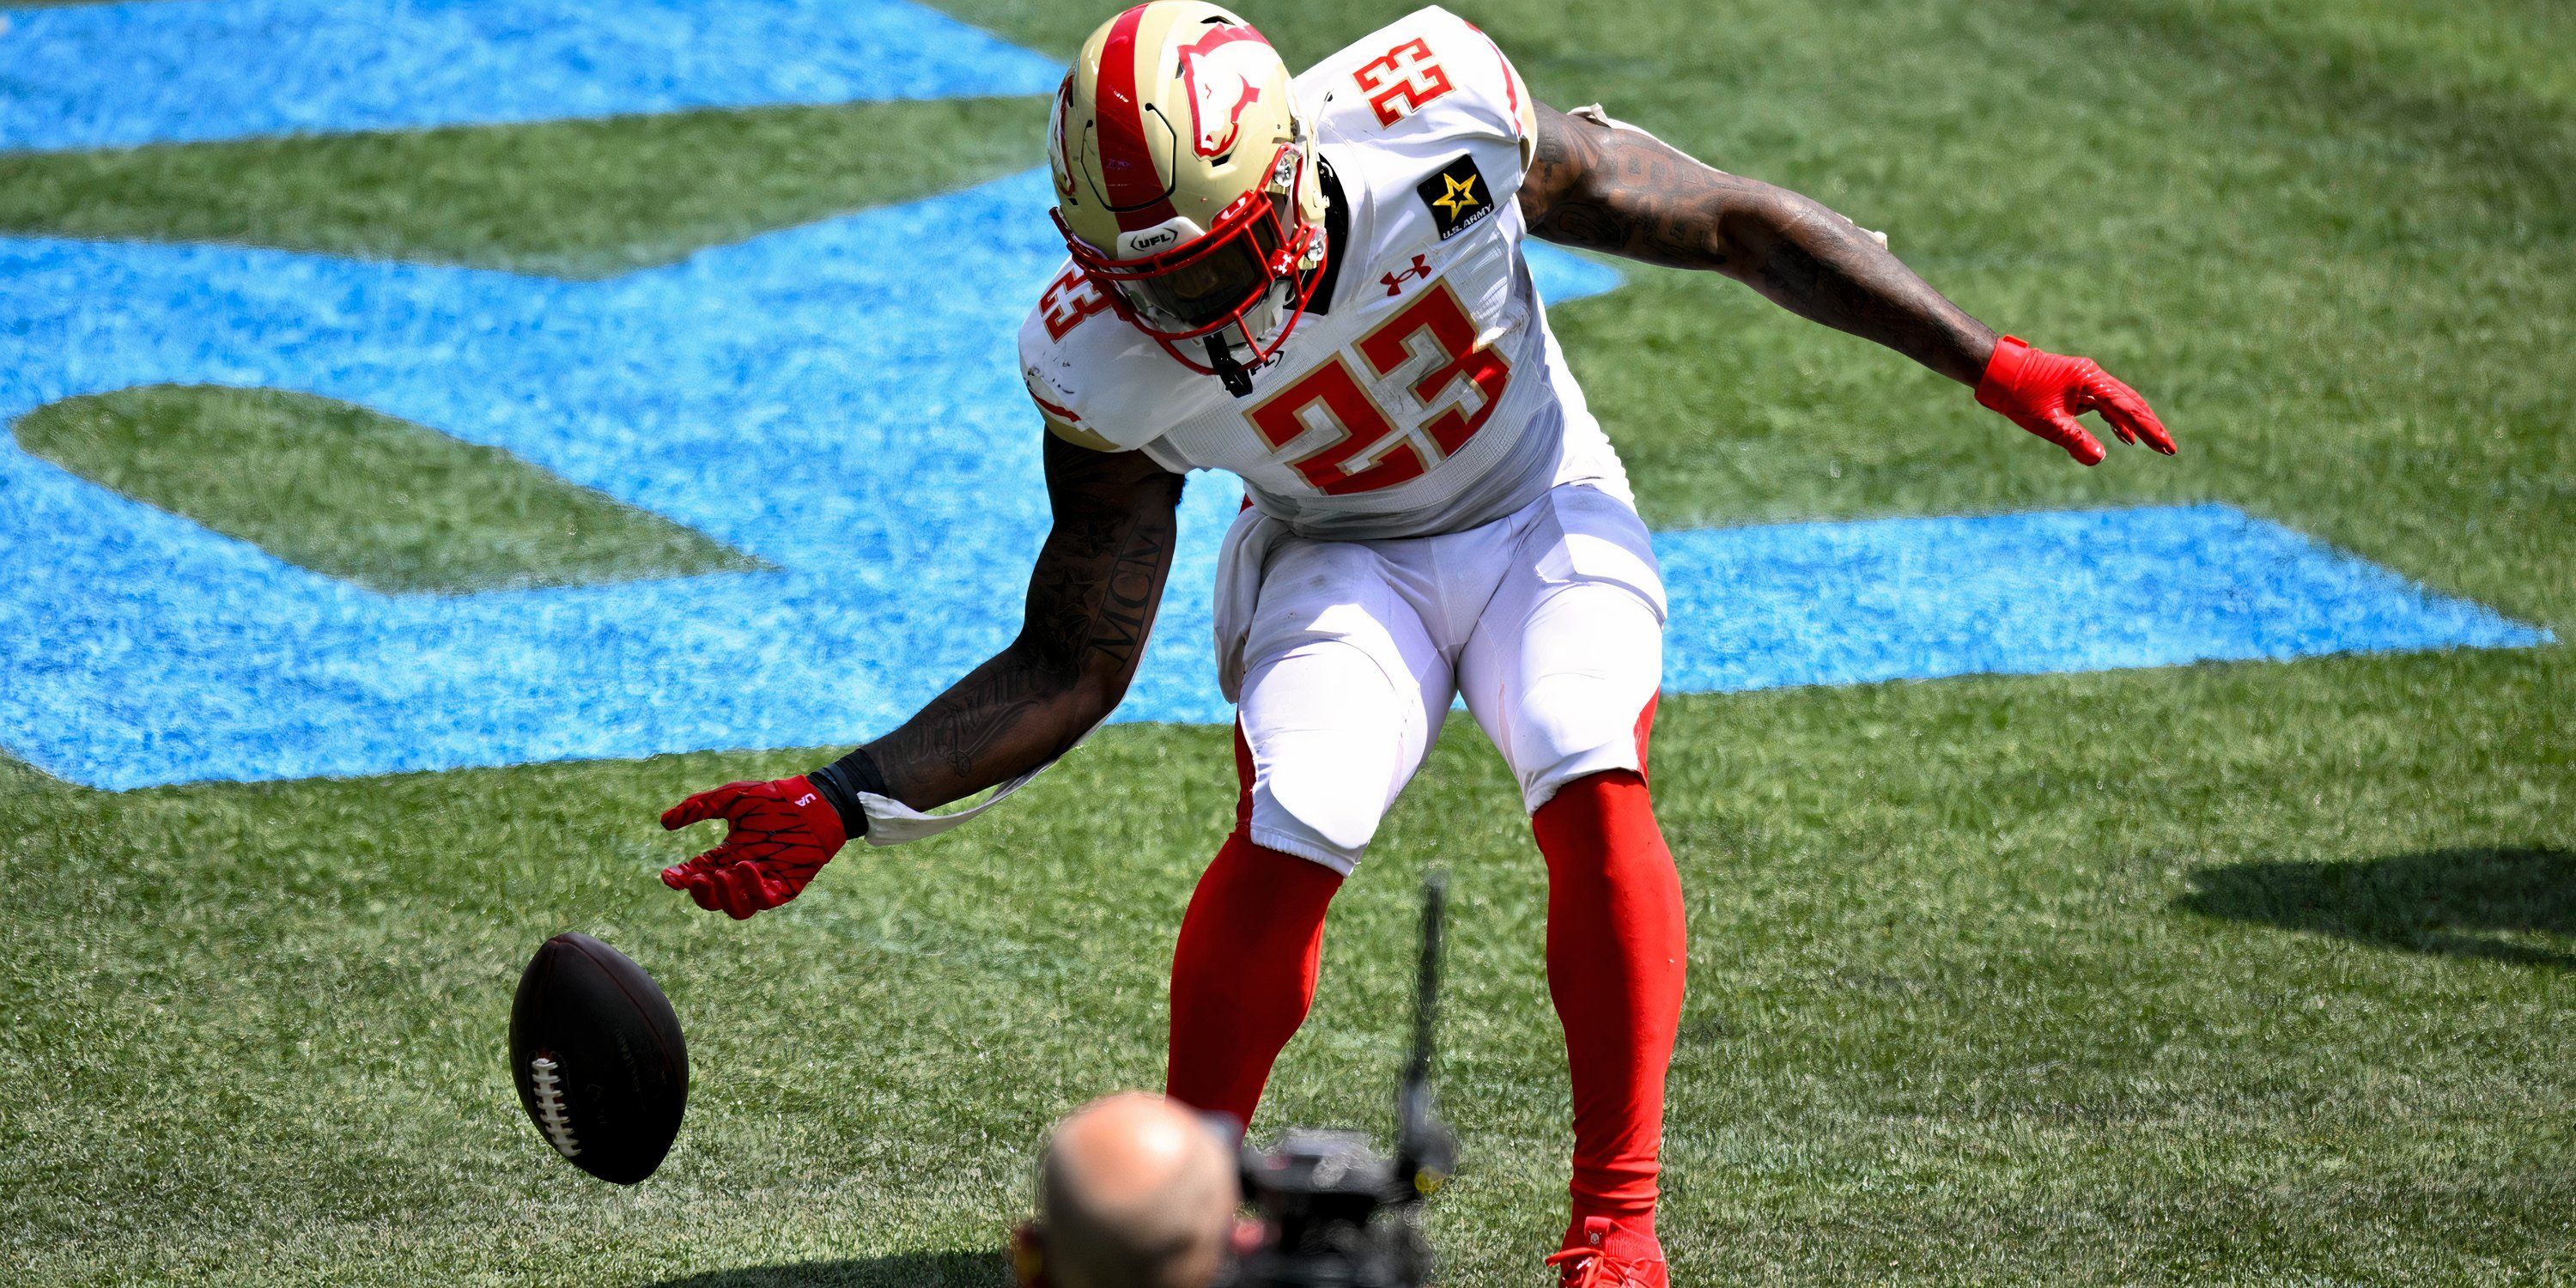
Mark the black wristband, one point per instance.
(841, 782)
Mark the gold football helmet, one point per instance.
(1186, 183)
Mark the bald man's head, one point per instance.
(1136, 1193)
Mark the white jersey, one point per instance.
(1423, 392)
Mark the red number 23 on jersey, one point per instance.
(1437, 315)
(1402, 81)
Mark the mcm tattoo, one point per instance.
(1615, 188)
(1091, 604)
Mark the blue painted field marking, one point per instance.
(167, 71)
(811, 398)
(2020, 594)
(814, 398)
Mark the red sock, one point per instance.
(1615, 966)
(1244, 972)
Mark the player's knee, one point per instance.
(1570, 726)
(1316, 813)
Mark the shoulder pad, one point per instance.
(1069, 344)
(1429, 76)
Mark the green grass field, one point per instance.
(2242, 974)
(360, 495)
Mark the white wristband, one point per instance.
(891, 822)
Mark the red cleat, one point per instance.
(1588, 1266)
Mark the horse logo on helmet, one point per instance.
(1223, 71)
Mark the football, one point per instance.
(596, 1051)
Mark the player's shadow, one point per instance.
(906, 1270)
(2483, 902)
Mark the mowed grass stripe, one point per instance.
(360, 495)
(567, 199)
(17, 775)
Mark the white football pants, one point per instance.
(1548, 621)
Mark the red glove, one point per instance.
(778, 836)
(2042, 392)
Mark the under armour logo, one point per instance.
(1394, 282)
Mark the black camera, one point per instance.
(1334, 1212)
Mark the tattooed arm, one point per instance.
(1626, 192)
(1092, 598)
(1091, 603)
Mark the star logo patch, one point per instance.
(1457, 196)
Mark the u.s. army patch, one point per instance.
(1457, 196)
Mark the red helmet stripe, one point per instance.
(1137, 193)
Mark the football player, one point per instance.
(1316, 283)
